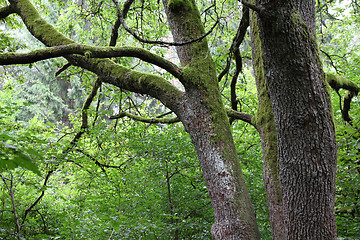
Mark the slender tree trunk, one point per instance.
(303, 117)
(264, 122)
(204, 117)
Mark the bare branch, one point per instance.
(126, 7)
(122, 14)
(66, 66)
(101, 165)
(241, 116)
(49, 173)
(146, 120)
(115, 32)
(237, 40)
(88, 102)
(331, 60)
(244, 24)
(140, 39)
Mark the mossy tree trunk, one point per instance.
(205, 119)
(264, 122)
(303, 115)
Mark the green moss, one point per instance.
(42, 30)
(87, 54)
(264, 118)
(337, 82)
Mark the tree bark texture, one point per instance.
(205, 119)
(264, 122)
(303, 117)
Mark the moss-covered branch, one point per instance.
(6, 11)
(106, 69)
(90, 52)
(146, 120)
(338, 82)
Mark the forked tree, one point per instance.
(294, 117)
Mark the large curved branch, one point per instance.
(106, 69)
(90, 52)
(6, 11)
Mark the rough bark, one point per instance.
(264, 122)
(303, 117)
(205, 119)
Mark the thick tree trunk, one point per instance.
(303, 117)
(204, 117)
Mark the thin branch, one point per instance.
(126, 7)
(115, 32)
(331, 61)
(87, 103)
(240, 35)
(226, 69)
(39, 198)
(237, 40)
(140, 39)
(11, 195)
(90, 52)
(146, 120)
(241, 116)
(101, 165)
(66, 66)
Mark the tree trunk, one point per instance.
(303, 116)
(204, 117)
(264, 122)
